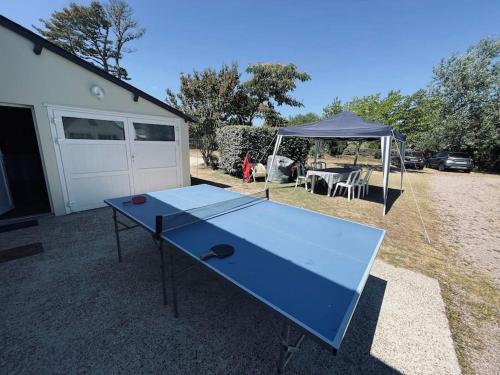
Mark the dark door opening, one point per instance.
(22, 163)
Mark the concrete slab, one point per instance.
(413, 334)
(74, 309)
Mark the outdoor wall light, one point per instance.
(97, 91)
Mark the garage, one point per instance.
(106, 155)
(72, 135)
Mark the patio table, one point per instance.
(330, 175)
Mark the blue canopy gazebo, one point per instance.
(347, 125)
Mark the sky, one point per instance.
(349, 48)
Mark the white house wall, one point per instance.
(49, 79)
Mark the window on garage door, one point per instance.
(154, 132)
(89, 128)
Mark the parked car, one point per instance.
(412, 159)
(451, 160)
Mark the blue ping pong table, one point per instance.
(307, 267)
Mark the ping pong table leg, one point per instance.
(117, 235)
(162, 267)
(284, 338)
(287, 350)
(172, 280)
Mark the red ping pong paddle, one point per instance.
(136, 199)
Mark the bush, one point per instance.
(335, 147)
(328, 147)
(294, 148)
(236, 140)
(350, 149)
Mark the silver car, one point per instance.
(451, 160)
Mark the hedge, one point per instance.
(235, 141)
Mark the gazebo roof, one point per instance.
(342, 125)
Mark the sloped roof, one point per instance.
(41, 43)
(342, 125)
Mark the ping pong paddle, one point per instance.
(218, 251)
(136, 199)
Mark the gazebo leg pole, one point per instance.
(386, 160)
(402, 151)
(317, 151)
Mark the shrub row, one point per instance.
(235, 141)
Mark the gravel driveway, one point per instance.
(468, 207)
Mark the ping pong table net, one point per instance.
(165, 223)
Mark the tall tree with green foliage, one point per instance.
(98, 33)
(270, 86)
(468, 89)
(217, 97)
(415, 116)
(211, 97)
(411, 114)
(373, 107)
(460, 111)
(377, 108)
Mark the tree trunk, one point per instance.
(357, 153)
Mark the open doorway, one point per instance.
(22, 173)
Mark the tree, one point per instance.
(376, 108)
(334, 108)
(467, 87)
(217, 98)
(270, 87)
(210, 97)
(415, 116)
(302, 119)
(460, 110)
(125, 29)
(383, 110)
(97, 33)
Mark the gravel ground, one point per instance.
(468, 209)
(74, 309)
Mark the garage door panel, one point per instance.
(89, 192)
(95, 158)
(155, 155)
(147, 180)
(108, 155)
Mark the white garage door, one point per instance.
(109, 156)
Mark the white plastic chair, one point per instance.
(362, 182)
(258, 170)
(301, 175)
(350, 184)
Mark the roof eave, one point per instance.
(40, 43)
